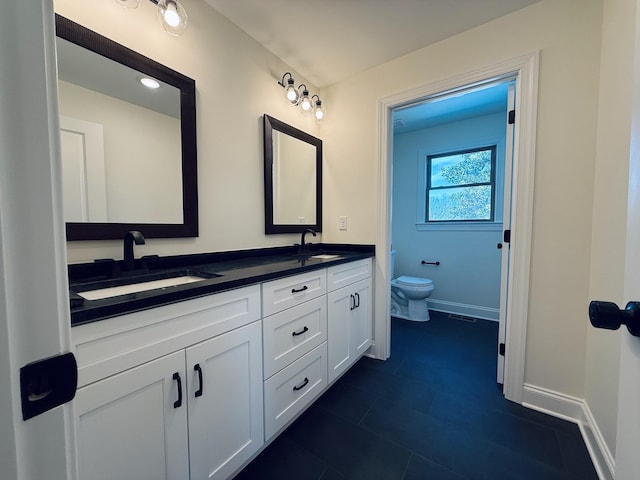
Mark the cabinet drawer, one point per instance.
(339, 276)
(290, 334)
(290, 390)
(284, 293)
(108, 347)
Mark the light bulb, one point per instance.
(305, 103)
(292, 93)
(319, 113)
(171, 15)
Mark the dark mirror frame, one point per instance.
(95, 42)
(271, 124)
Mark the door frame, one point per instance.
(525, 69)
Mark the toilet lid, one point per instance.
(414, 281)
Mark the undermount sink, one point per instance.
(143, 284)
(326, 256)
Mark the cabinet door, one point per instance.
(128, 427)
(349, 325)
(339, 305)
(361, 319)
(225, 408)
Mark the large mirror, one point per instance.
(128, 151)
(292, 178)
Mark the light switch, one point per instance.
(342, 221)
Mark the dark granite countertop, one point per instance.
(228, 270)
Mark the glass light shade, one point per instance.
(292, 93)
(172, 17)
(305, 102)
(318, 112)
(130, 4)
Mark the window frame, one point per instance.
(493, 148)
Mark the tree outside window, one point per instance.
(461, 185)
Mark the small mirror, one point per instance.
(128, 151)
(292, 178)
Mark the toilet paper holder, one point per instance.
(609, 316)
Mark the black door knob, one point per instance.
(608, 315)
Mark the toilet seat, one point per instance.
(408, 281)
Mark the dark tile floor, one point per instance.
(432, 411)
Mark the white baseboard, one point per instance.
(577, 411)
(464, 309)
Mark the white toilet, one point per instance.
(409, 295)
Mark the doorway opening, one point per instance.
(524, 72)
(451, 204)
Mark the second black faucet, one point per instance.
(303, 246)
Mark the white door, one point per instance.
(225, 402)
(506, 225)
(628, 431)
(133, 425)
(360, 321)
(83, 171)
(340, 303)
(32, 326)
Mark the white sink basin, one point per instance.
(325, 256)
(109, 292)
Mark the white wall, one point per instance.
(469, 272)
(236, 82)
(567, 33)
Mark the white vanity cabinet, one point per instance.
(350, 314)
(193, 389)
(138, 407)
(295, 347)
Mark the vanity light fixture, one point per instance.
(171, 15)
(300, 96)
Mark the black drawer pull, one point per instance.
(302, 385)
(300, 332)
(293, 290)
(353, 302)
(357, 300)
(197, 368)
(178, 403)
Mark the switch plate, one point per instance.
(342, 223)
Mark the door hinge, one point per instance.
(506, 237)
(512, 117)
(501, 349)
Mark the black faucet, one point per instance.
(303, 246)
(129, 238)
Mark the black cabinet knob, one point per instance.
(608, 315)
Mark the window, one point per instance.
(461, 185)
